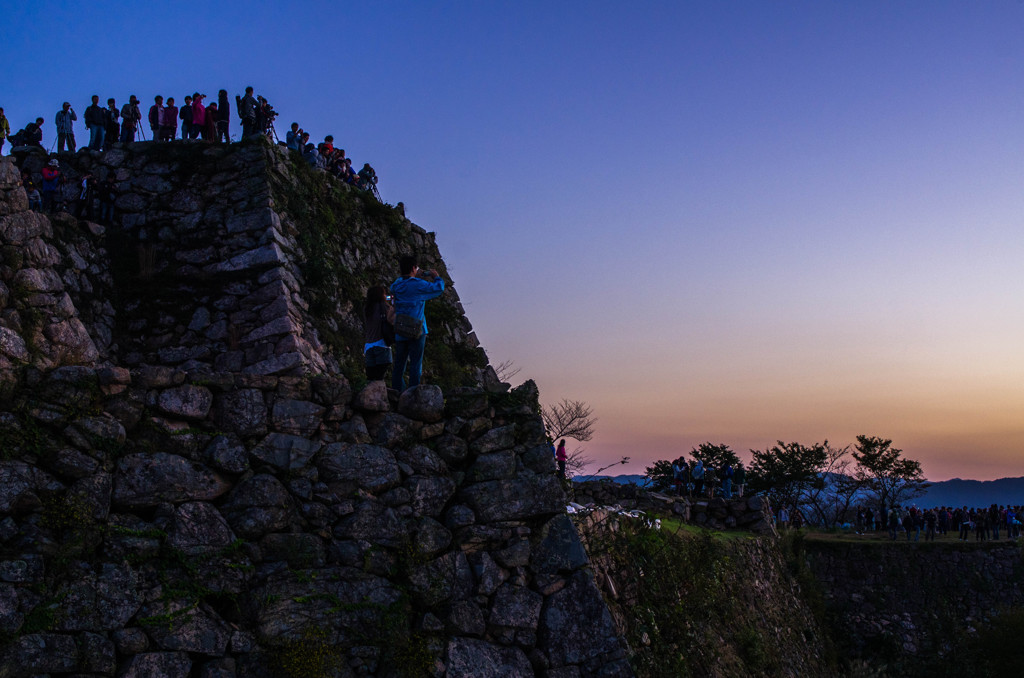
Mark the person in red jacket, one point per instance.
(198, 115)
(169, 121)
(561, 457)
(210, 128)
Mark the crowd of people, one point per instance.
(911, 522)
(697, 479)
(325, 156)
(198, 121)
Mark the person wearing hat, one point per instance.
(65, 119)
(51, 185)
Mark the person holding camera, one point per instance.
(130, 117)
(411, 292)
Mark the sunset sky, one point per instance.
(736, 222)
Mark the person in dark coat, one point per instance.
(111, 116)
(223, 116)
(96, 122)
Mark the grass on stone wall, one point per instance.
(684, 580)
(331, 219)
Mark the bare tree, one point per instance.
(569, 419)
(832, 494)
(506, 370)
(576, 461)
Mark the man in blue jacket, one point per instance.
(411, 292)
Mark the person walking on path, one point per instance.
(411, 292)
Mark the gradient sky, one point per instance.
(727, 221)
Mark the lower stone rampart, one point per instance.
(162, 523)
(914, 599)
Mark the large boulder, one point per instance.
(525, 496)
(475, 658)
(422, 403)
(199, 528)
(258, 506)
(186, 402)
(151, 479)
(368, 466)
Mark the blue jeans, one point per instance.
(408, 351)
(96, 135)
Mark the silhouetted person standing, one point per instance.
(130, 117)
(111, 116)
(223, 117)
(5, 129)
(247, 112)
(64, 120)
(96, 123)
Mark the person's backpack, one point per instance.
(408, 326)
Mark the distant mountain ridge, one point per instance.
(955, 492)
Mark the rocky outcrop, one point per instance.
(196, 481)
(751, 514)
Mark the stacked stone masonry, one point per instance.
(189, 486)
(908, 596)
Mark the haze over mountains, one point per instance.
(955, 492)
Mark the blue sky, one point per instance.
(726, 221)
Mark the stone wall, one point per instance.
(913, 598)
(701, 604)
(213, 259)
(191, 486)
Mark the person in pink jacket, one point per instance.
(198, 115)
(169, 121)
(560, 457)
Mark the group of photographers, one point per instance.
(326, 157)
(110, 124)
